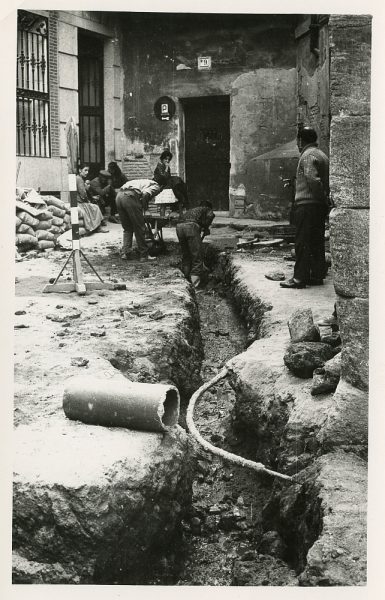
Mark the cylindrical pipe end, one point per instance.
(119, 402)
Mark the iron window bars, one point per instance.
(32, 94)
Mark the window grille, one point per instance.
(32, 94)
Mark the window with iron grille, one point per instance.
(32, 94)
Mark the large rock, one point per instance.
(354, 325)
(322, 519)
(349, 242)
(301, 326)
(92, 503)
(326, 378)
(303, 357)
(346, 424)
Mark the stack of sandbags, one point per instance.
(39, 219)
(26, 224)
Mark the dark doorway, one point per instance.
(91, 102)
(207, 149)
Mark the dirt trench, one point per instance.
(224, 539)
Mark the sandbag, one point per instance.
(45, 235)
(55, 229)
(53, 201)
(23, 228)
(24, 239)
(18, 222)
(57, 221)
(45, 215)
(82, 231)
(27, 219)
(44, 225)
(67, 218)
(45, 244)
(57, 212)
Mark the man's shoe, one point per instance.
(113, 219)
(292, 284)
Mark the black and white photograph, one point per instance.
(189, 298)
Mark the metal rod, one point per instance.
(89, 264)
(64, 266)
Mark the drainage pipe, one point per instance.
(118, 402)
(229, 456)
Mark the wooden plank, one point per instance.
(59, 287)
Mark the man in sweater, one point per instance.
(132, 201)
(311, 206)
(189, 230)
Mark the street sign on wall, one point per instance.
(204, 63)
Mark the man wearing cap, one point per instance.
(104, 194)
(311, 205)
(132, 201)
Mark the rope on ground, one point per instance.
(229, 456)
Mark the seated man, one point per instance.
(132, 201)
(104, 194)
(193, 223)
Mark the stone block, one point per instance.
(301, 326)
(353, 317)
(349, 244)
(67, 38)
(346, 425)
(68, 71)
(350, 56)
(350, 167)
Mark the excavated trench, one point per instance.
(224, 540)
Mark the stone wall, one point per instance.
(350, 47)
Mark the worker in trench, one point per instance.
(132, 201)
(192, 228)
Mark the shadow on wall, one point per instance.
(266, 196)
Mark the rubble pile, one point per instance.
(40, 220)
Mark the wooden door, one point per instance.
(91, 103)
(207, 150)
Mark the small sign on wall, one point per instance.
(204, 63)
(164, 108)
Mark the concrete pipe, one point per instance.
(121, 403)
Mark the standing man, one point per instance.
(189, 230)
(132, 201)
(311, 205)
(102, 190)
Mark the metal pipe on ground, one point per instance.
(121, 403)
(229, 456)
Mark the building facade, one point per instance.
(224, 92)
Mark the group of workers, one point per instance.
(128, 201)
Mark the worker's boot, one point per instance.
(195, 280)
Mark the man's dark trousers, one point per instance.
(130, 209)
(309, 220)
(192, 249)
